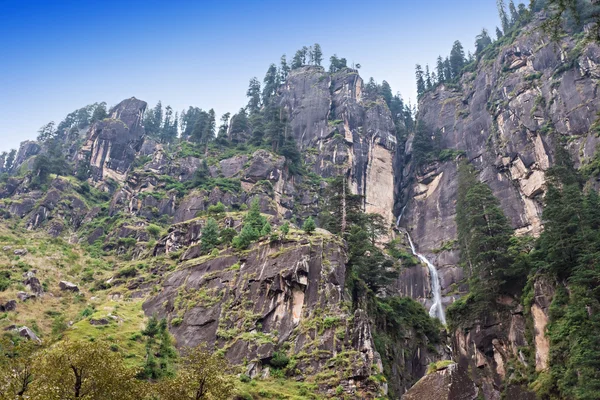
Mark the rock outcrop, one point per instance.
(112, 143)
(287, 294)
(449, 383)
(343, 131)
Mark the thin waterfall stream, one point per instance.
(436, 310)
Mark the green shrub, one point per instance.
(153, 230)
(309, 226)
(279, 360)
(217, 208)
(227, 235)
(127, 242)
(127, 272)
(4, 284)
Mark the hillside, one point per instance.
(317, 240)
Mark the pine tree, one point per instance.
(341, 209)
(484, 232)
(498, 34)
(514, 14)
(284, 69)
(385, 91)
(317, 54)
(10, 160)
(309, 226)
(448, 73)
(209, 238)
(208, 133)
(502, 14)
(253, 94)
(222, 133)
(457, 59)
(336, 64)
(99, 113)
(428, 84)
(440, 69)
(421, 88)
(254, 223)
(426, 145)
(239, 125)
(482, 41)
(285, 229)
(271, 83)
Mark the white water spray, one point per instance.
(436, 310)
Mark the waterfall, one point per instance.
(400, 217)
(436, 309)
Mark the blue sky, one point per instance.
(61, 55)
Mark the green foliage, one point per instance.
(254, 223)
(160, 352)
(51, 162)
(483, 234)
(4, 283)
(218, 208)
(209, 238)
(309, 225)
(227, 235)
(426, 145)
(285, 228)
(438, 365)
(153, 230)
(127, 272)
(279, 360)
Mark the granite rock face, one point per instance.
(450, 383)
(502, 116)
(342, 131)
(112, 143)
(287, 294)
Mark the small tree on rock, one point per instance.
(309, 226)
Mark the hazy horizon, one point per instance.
(61, 57)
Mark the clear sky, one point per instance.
(57, 56)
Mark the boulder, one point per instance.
(10, 305)
(112, 143)
(64, 286)
(29, 334)
(99, 321)
(34, 285)
(20, 252)
(450, 383)
(24, 296)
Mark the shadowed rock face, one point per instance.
(113, 143)
(451, 383)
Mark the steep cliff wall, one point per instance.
(113, 143)
(504, 115)
(345, 131)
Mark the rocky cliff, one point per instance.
(139, 206)
(142, 205)
(505, 116)
(112, 144)
(350, 132)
